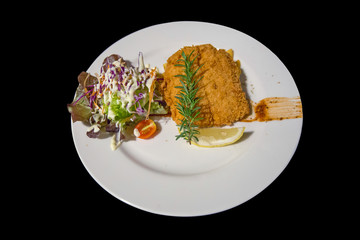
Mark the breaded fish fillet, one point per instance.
(222, 100)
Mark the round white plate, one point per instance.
(169, 177)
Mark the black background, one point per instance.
(64, 195)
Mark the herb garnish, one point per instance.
(187, 100)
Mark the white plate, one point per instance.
(170, 177)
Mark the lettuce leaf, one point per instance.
(79, 112)
(157, 108)
(79, 108)
(86, 79)
(116, 112)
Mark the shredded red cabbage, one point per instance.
(138, 97)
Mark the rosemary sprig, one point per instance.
(187, 100)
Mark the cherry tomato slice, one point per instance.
(145, 129)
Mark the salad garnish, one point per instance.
(118, 98)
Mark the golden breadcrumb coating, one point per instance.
(222, 100)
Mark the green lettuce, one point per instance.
(157, 108)
(116, 112)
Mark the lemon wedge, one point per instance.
(218, 137)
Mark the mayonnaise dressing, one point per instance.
(136, 132)
(114, 145)
(95, 127)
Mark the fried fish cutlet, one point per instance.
(222, 100)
